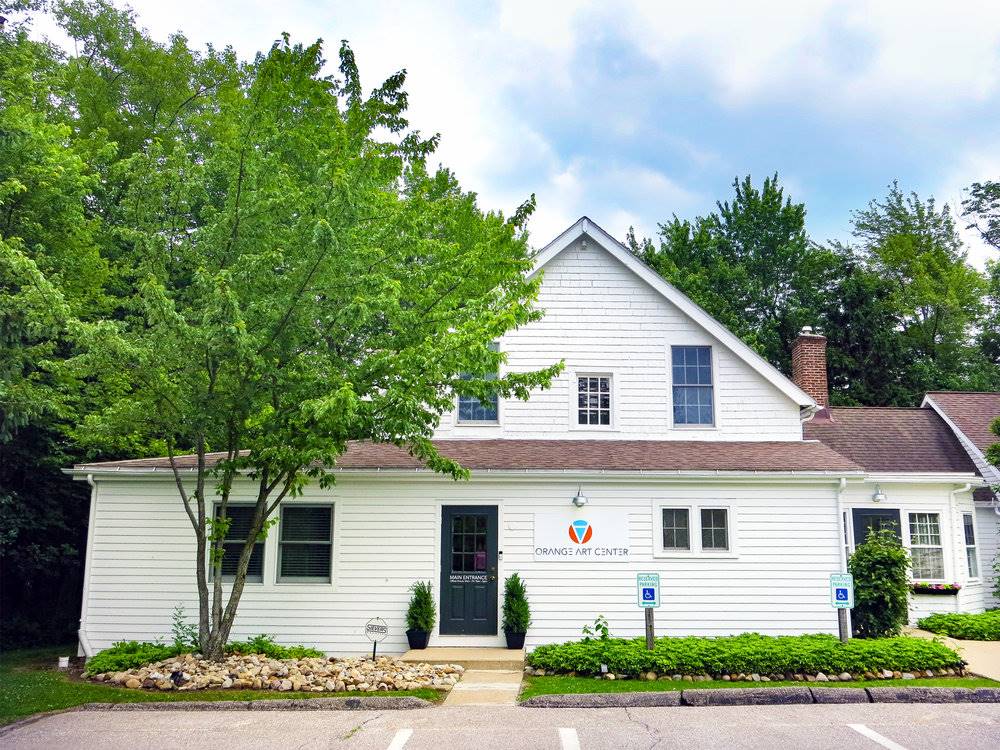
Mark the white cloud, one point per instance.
(976, 164)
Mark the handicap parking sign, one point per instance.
(841, 595)
(649, 595)
(842, 590)
(648, 589)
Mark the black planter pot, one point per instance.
(936, 592)
(417, 638)
(514, 640)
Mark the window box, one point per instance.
(937, 589)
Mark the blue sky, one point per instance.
(631, 112)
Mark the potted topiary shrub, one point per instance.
(516, 612)
(420, 616)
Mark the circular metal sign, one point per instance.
(376, 629)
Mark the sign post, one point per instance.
(648, 594)
(842, 599)
(376, 630)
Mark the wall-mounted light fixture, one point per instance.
(579, 499)
(878, 496)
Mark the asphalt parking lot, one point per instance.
(844, 727)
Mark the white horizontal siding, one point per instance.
(988, 541)
(601, 318)
(387, 535)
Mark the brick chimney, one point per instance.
(809, 365)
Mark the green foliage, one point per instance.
(130, 655)
(750, 264)
(516, 612)
(748, 653)
(982, 209)
(984, 626)
(264, 644)
(185, 635)
(881, 589)
(421, 614)
(599, 628)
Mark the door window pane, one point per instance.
(468, 543)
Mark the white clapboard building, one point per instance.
(666, 446)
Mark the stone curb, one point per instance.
(375, 703)
(766, 697)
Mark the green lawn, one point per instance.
(554, 685)
(29, 684)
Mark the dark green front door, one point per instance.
(469, 570)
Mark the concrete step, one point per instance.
(469, 657)
(486, 687)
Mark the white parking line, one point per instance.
(400, 739)
(568, 738)
(876, 737)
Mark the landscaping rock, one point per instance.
(747, 696)
(259, 672)
(609, 700)
(844, 677)
(839, 695)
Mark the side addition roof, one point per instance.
(969, 415)
(585, 226)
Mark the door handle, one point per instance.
(493, 578)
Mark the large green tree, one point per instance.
(749, 263)
(299, 279)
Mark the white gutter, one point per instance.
(81, 633)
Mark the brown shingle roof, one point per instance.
(891, 439)
(576, 455)
(972, 413)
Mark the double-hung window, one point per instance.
(472, 409)
(692, 385)
(305, 552)
(971, 557)
(240, 520)
(926, 551)
(679, 533)
(715, 529)
(593, 400)
(676, 530)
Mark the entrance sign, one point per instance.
(842, 591)
(582, 535)
(648, 589)
(376, 630)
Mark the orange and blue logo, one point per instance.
(580, 531)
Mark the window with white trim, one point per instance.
(676, 529)
(715, 529)
(693, 391)
(305, 551)
(593, 400)
(971, 556)
(472, 409)
(926, 551)
(240, 519)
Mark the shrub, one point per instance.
(748, 653)
(264, 644)
(981, 627)
(185, 634)
(881, 591)
(421, 614)
(516, 612)
(129, 655)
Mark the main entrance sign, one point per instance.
(582, 535)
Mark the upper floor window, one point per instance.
(240, 519)
(692, 385)
(593, 400)
(926, 551)
(472, 409)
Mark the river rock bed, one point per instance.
(258, 672)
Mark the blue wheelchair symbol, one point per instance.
(841, 595)
(649, 595)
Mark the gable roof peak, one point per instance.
(587, 226)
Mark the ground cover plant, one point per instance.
(984, 626)
(29, 684)
(747, 653)
(133, 654)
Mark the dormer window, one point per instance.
(593, 400)
(693, 388)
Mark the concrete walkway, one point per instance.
(983, 657)
(492, 676)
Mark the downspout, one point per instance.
(842, 539)
(84, 642)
